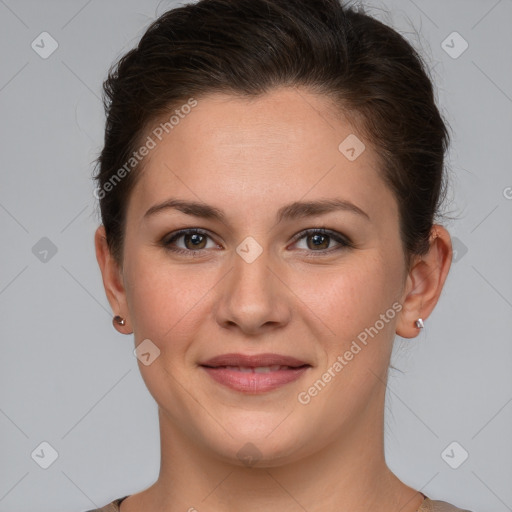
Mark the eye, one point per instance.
(194, 241)
(319, 240)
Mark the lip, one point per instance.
(285, 369)
(253, 360)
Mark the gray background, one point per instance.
(68, 378)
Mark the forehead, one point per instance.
(274, 148)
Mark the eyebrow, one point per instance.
(295, 210)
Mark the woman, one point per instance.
(268, 187)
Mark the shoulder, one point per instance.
(111, 507)
(429, 505)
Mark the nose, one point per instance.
(253, 298)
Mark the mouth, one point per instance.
(254, 374)
(255, 369)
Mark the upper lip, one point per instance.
(253, 360)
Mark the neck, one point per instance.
(348, 475)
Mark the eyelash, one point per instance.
(342, 240)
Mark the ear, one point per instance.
(112, 280)
(425, 282)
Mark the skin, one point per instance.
(249, 157)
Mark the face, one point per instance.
(274, 319)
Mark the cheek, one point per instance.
(153, 297)
(351, 296)
(357, 306)
(161, 302)
(355, 302)
(166, 301)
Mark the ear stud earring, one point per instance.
(118, 320)
(419, 323)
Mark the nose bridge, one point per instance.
(251, 297)
(250, 275)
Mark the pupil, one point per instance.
(317, 240)
(195, 239)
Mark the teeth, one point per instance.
(239, 369)
(262, 369)
(258, 369)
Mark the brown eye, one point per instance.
(319, 240)
(194, 242)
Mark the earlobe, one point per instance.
(425, 283)
(112, 280)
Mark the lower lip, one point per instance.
(254, 382)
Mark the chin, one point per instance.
(262, 440)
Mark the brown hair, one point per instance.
(246, 48)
